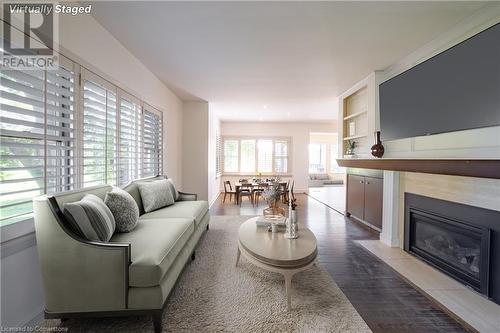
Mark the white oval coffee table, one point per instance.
(275, 253)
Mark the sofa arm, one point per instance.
(78, 275)
(187, 196)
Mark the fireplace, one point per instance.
(460, 240)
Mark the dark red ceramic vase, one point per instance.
(377, 149)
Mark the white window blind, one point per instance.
(265, 156)
(231, 149)
(280, 156)
(130, 139)
(60, 131)
(218, 157)
(22, 146)
(37, 137)
(99, 132)
(249, 155)
(152, 143)
(247, 162)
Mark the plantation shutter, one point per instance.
(100, 155)
(60, 128)
(152, 143)
(130, 138)
(218, 157)
(37, 137)
(265, 156)
(22, 146)
(280, 156)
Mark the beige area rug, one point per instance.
(213, 295)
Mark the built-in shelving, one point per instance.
(355, 137)
(355, 115)
(358, 116)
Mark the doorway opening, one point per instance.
(326, 178)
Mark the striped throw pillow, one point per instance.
(91, 218)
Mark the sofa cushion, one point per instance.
(90, 218)
(124, 209)
(155, 243)
(155, 194)
(194, 210)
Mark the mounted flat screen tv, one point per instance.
(455, 90)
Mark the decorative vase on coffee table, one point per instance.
(274, 211)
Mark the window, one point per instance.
(247, 156)
(151, 150)
(99, 132)
(130, 139)
(256, 155)
(218, 157)
(265, 156)
(59, 130)
(37, 139)
(68, 128)
(280, 156)
(317, 158)
(231, 149)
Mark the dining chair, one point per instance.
(228, 189)
(283, 191)
(257, 192)
(245, 191)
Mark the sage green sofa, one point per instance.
(132, 274)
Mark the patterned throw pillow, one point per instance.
(124, 209)
(174, 191)
(90, 218)
(155, 194)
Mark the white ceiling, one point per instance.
(273, 61)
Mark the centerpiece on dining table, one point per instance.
(272, 195)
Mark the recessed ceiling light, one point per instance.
(260, 118)
(264, 106)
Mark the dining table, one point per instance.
(238, 185)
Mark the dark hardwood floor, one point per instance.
(385, 301)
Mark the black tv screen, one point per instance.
(457, 89)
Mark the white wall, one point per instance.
(83, 40)
(195, 147)
(300, 141)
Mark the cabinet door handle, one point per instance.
(368, 183)
(361, 182)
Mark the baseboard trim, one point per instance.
(36, 318)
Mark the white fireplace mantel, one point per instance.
(390, 211)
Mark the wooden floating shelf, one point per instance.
(355, 114)
(454, 167)
(355, 137)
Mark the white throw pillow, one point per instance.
(155, 194)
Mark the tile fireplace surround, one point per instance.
(466, 305)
